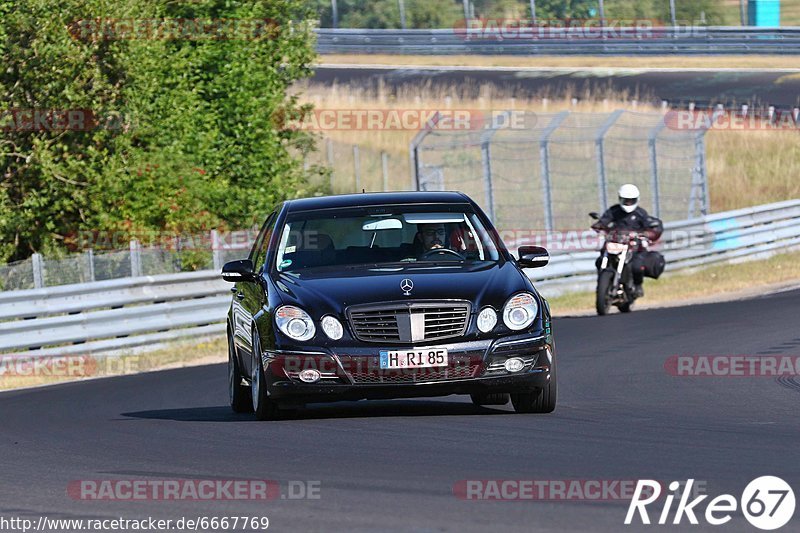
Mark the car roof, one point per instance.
(377, 198)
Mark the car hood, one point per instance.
(331, 290)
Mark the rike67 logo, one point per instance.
(767, 503)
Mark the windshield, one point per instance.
(383, 235)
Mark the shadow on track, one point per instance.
(374, 408)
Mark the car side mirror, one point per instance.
(533, 257)
(594, 215)
(240, 270)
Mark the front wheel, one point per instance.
(605, 288)
(238, 394)
(539, 401)
(264, 407)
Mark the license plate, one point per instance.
(414, 358)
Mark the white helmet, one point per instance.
(629, 197)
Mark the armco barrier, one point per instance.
(120, 314)
(699, 40)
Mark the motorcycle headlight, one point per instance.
(294, 323)
(520, 311)
(487, 319)
(332, 328)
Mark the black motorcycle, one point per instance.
(614, 275)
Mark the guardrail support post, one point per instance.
(602, 184)
(544, 166)
(37, 263)
(90, 264)
(136, 259)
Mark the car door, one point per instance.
(250, 295)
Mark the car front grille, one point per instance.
(419, 375)
(409, 321)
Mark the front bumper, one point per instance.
(476, 367)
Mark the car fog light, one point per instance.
(515, 364)
(487, 320)
(309, 375)
(332, 328)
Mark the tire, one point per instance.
(498, 398)
(238, 394)
(539, 401)
(604, 287)
(263, 406)
(624, 308)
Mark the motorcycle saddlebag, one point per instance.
(654, 264)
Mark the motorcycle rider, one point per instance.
(628, 216)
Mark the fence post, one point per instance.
(37, 263)
(357, 167)
(216, 253)
(385, 170)
(486, 164)
(413, 149)
(655, 185)
(136, 259)
(699, 191)
(90, 264)
(329, 149)
(602, 183)
(544, 164)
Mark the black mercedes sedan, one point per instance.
(386, 295)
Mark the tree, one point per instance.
(201, 142)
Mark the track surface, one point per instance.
(391, 465)
(779, 88)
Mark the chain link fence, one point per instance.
(550, 174)
(546, 175)
(209, 251)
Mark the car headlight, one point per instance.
(332, 327)
(487, 319)
(294, 323)
(520, 311)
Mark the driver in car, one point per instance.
(433, 236)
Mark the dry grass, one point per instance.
(715, 281)
(750, 168)
(55, 370)
(623, 62)
(745, 168)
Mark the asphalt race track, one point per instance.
(702, 86)
(392, 465)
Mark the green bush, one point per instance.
(201, 143)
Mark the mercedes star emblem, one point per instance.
(406, 285)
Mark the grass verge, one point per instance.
(19, 372)
(721, 281)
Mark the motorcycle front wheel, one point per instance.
(605, 288)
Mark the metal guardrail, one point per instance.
(662, 40)
(122, 314)
(732, 235)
